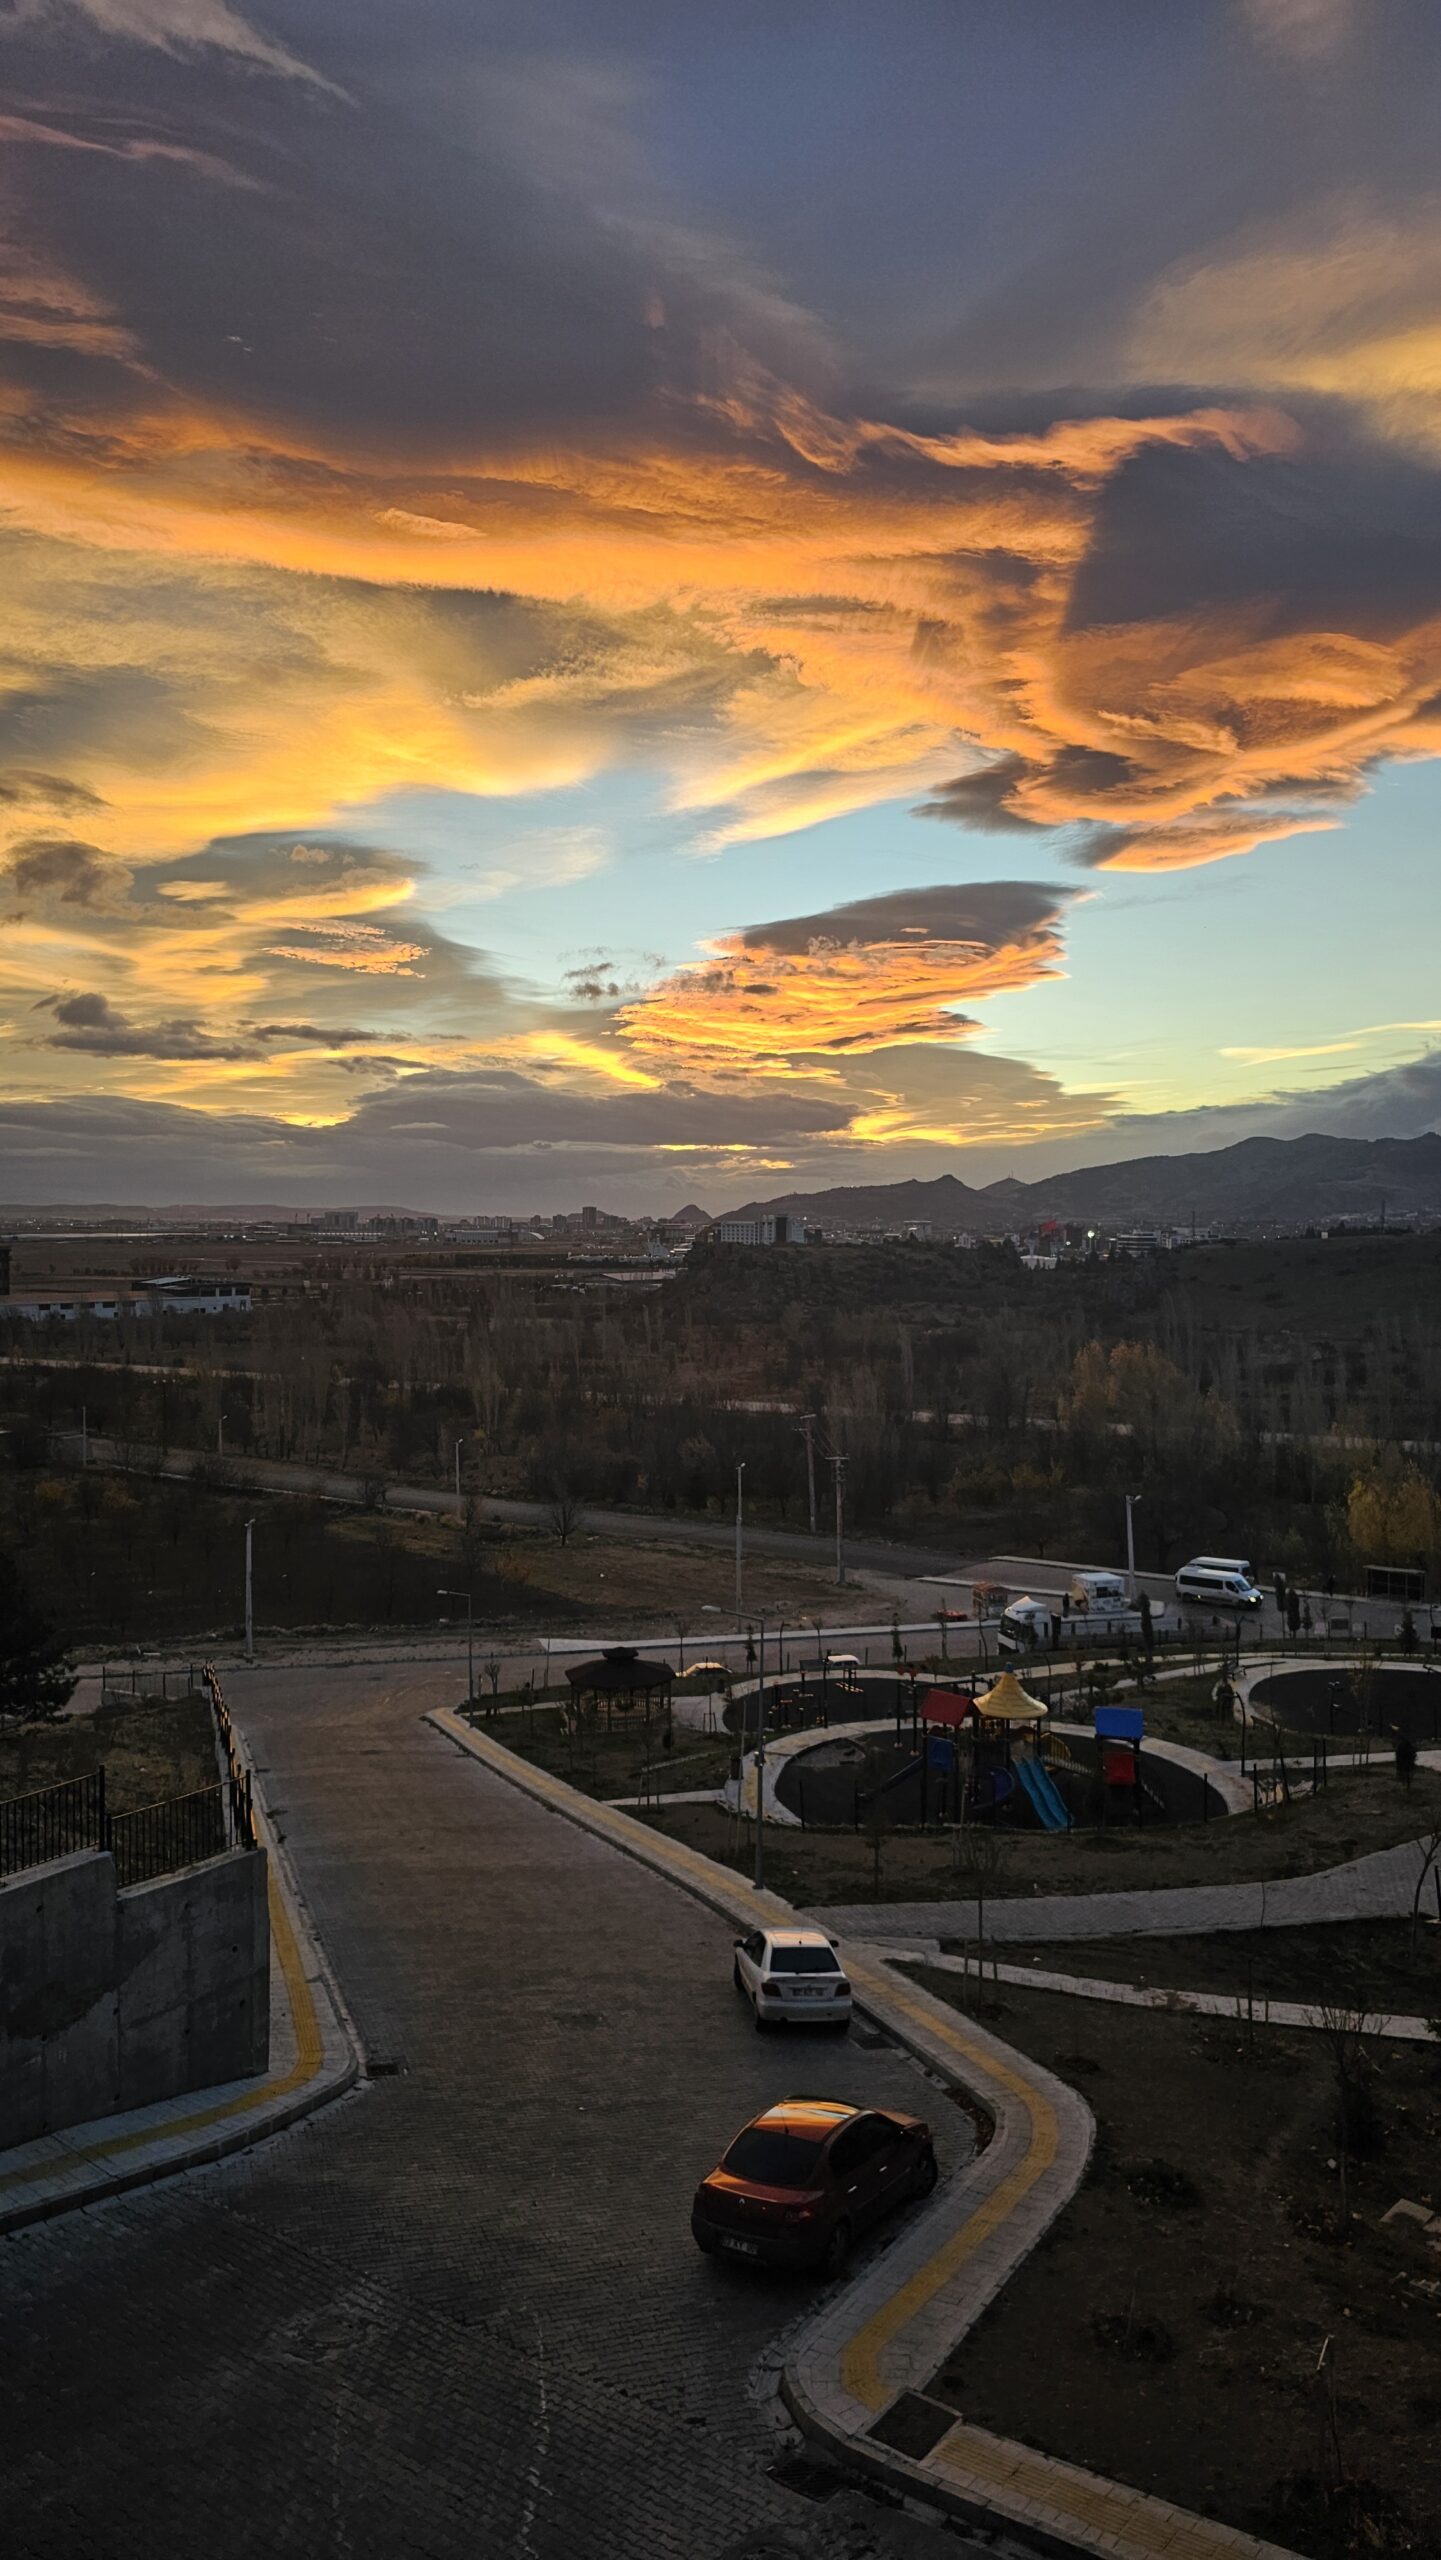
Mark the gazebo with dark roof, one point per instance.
(619, 1677)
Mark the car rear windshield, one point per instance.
(803, 1960)
(771, 2159)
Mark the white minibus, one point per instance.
(1218, 1582)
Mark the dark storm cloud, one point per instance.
(986, 799)
(988, 915)
(22, 790)
(67, 871)
(512, 256)
(93, 1026)
(1344, 540)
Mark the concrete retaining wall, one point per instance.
(114, 2000)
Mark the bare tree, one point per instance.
(563, 1514)
(1430, 1847)
(980, 1855)
(1347, 2028)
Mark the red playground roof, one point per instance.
(947, 1706)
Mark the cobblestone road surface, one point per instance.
(460, 2312)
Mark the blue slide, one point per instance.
(1041, 1787)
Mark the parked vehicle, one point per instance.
(802, 2182)
(1218, 1582)
(1039, 1626)
(1102, 1594)
(793, 1978)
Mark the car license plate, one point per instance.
(742, 2248)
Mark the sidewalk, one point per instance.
(313, 2058)
(1133, 1995)
(877, 2342)
(1376, 1887)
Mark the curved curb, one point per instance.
(179, 2134)
(885, 2333)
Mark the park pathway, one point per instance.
(1377, 1887)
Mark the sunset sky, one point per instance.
(612, 600)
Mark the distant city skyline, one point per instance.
(643, 605)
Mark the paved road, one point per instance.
(459, 2313)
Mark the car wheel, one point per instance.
(736, 1977)
(763, 2024)
(837, 2250)
(926, 2174)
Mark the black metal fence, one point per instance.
(153, 1839)
(157, 1838)
(52, 1822)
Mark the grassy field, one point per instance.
(1199, 2322)
(1363, 1964)
(623, 1762)
(1355, 1814)
(150, 1748)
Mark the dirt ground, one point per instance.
(1355, 1814)
(1193, 2323)
(1364, 1963)
(150, 1748)
(647, 1588)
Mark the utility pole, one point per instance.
(740, 1537)
(220, 1435)
(760, 1866)
(1131, 1501)
(469, 1640)
(249, 1591)
(84, 1438)
(838, 1466)
(808, 1434)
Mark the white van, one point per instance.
(1218, 1582)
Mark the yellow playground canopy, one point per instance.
(1009, 1703)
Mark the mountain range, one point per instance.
(1260, 1182)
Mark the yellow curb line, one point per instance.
(310, 2053)
(860, 2361)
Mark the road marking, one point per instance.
(860, 2359)
(309, 2054)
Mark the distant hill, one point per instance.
(1259, 1182)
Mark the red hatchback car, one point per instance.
(802, 2182)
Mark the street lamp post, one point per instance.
(740, 1538)
(760, 1867)
(460, 1444)
(808, 1434)
(84, 1438)
(838, 1465)
(1131, 1501)
(469, 1640)
(249, 1591)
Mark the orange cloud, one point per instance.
(882, 971)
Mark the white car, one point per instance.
(793, 1978)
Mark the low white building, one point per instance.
(179, 1297)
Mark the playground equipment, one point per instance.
(1044, 1794)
